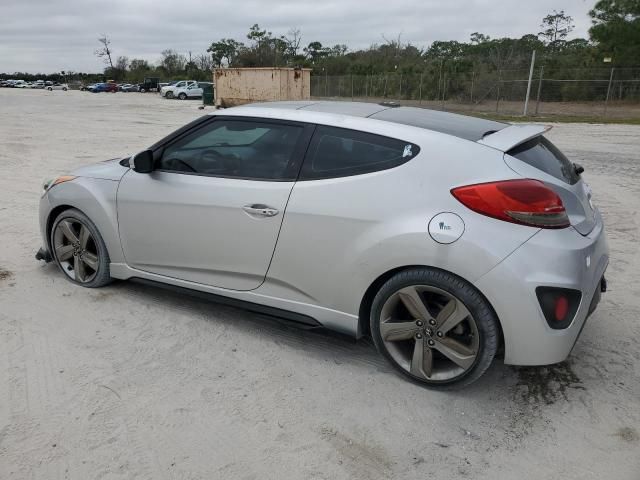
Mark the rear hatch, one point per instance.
(530, 154)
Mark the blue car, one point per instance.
(104, 87)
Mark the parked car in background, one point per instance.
(104, 87)
(192, 91)
(150, 84)
(169, 90)
(127, 87)
(38, 84)
(21, 84)
(87, 88)
(58, 86)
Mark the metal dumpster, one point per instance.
(236, 86)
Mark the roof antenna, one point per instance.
(390, 104)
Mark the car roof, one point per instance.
(462, 126)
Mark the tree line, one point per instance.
(614, 35)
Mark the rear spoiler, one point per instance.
(512, 136)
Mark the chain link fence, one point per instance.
(598, 92)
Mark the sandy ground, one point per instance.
(132, 382)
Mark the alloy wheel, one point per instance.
(75, 250)
(429, 332)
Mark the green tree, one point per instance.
(616, 29)
(556, 27)
(224, 51)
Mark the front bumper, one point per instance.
(553, 258)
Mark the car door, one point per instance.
(212, 209)
(194, 90)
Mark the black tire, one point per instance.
(101, 276)
(50, 89)
(479, 309)
(143, 90)
(64, 89)
(169, 95)
(182, 96)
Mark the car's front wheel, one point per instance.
(434, 327)
(79, 250)
(169, 95)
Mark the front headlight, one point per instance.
(46, 186)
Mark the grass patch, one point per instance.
(555, 118)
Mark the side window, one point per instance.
(235, 148)
(338, 152)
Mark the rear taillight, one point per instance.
(527, 202)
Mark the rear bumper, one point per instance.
(554, 258)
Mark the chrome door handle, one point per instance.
(260, 210)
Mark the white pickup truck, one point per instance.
(190, 91)
(168, 91)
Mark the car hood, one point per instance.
(106, 170)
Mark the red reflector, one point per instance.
(526, 201)
(561, 308)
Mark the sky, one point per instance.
(54, 35)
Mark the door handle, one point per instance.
(260, 210)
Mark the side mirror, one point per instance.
(142, 162)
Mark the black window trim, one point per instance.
(292, 172)
(306, 164)
(549, 145)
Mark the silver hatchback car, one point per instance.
(445, 238)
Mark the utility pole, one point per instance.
(606, 100)
(539, 90)
(526, 100)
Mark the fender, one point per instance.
(96, 198)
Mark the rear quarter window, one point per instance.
(544, 155)
(338, 152)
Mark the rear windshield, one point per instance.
(544, 155)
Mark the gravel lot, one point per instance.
(132, 382)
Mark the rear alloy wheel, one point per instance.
(79, 250)
(434, 327)
(182, 96)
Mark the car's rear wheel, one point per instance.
(182, 96)
(143, 90)
(79, 250)
(434, 327)
(50, 89)
(64, 89)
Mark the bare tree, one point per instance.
(293, 39)
(104, 52)
(204, 62)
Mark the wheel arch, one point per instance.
(364, 312)
(94, 198)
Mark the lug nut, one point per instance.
(432, 322)
(431, 343)
(439, 334)
(418, 335)
(419, 323)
